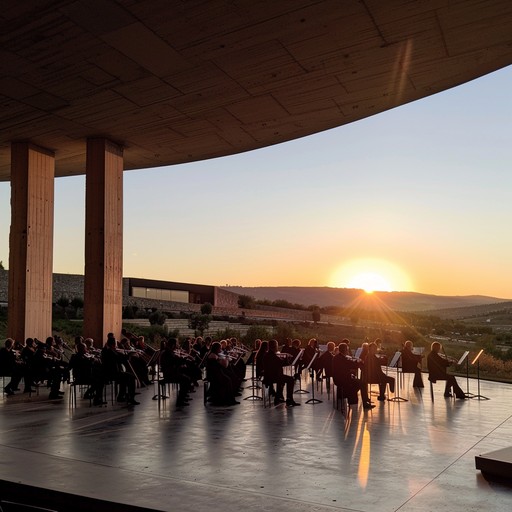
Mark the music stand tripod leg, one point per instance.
(313, 400)
(397, 397)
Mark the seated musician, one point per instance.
(259, 358)
(273, 373)
(287, 347)
(113, 369)
(365, 349)
(381, 352)
(309, 353)
(137, 361)
(192, 362)
(411, 363)
(11, 365)
(149, 355)
(205, 348)
(239, 365)
(296, 347)
(62, 353)
(344, 371)
(222, 390)
(437, 366)
(46, 367)
(27, 355)
(254, 351)
(86, 370)
(260, 355)
(173, 368)
(325, 363)
(197, 343)
(373, 374)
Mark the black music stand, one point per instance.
(253, 379)
(313, 400)
(394, 363)
(459, 362)
(477, 361)
(300, 391)
(159, 396)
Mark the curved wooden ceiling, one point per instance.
(188, 80)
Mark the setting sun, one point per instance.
(371, 275)
(370, 282)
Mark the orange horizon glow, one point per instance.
(371, 275)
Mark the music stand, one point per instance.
(159, 395)
(313, 400)
(394, 364)
(477, 361)
(459, 362)
(295, 361)
(253, 378)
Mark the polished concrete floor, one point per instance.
(407, 456)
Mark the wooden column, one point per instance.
(103, 286)
(31, 242)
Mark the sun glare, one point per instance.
(371, 275)
(370, 282)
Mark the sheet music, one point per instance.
(395, 359)
(462, 357)
(311, 362)
(298, 357)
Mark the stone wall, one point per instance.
(67, 285)
(225, 298)
(72, 285)
(4, 283)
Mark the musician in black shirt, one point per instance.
(344, 374)
(11, 365)
(112, 366)
(86, 370)
(437, 366)
(410, 362)
(273, 373)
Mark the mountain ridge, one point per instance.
(345, 297)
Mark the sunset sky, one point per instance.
(414, 199)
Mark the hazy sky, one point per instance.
(416, 198)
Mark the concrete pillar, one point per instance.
(31, 242)
(103, 286)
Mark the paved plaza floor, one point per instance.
(409, 456)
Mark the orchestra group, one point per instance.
(131, 363)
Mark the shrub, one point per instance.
(246, 301)
(256, 332)
(157, 318)
(227, 333)
(129, 313)
(206, 308)
(199, 322)
(77, 302)
(63, 302)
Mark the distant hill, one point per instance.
(480, 312)
(344, 297)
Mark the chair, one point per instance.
(206, 388)
(265, 393)
(72, 392)
(337, 397)
(432, 382)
